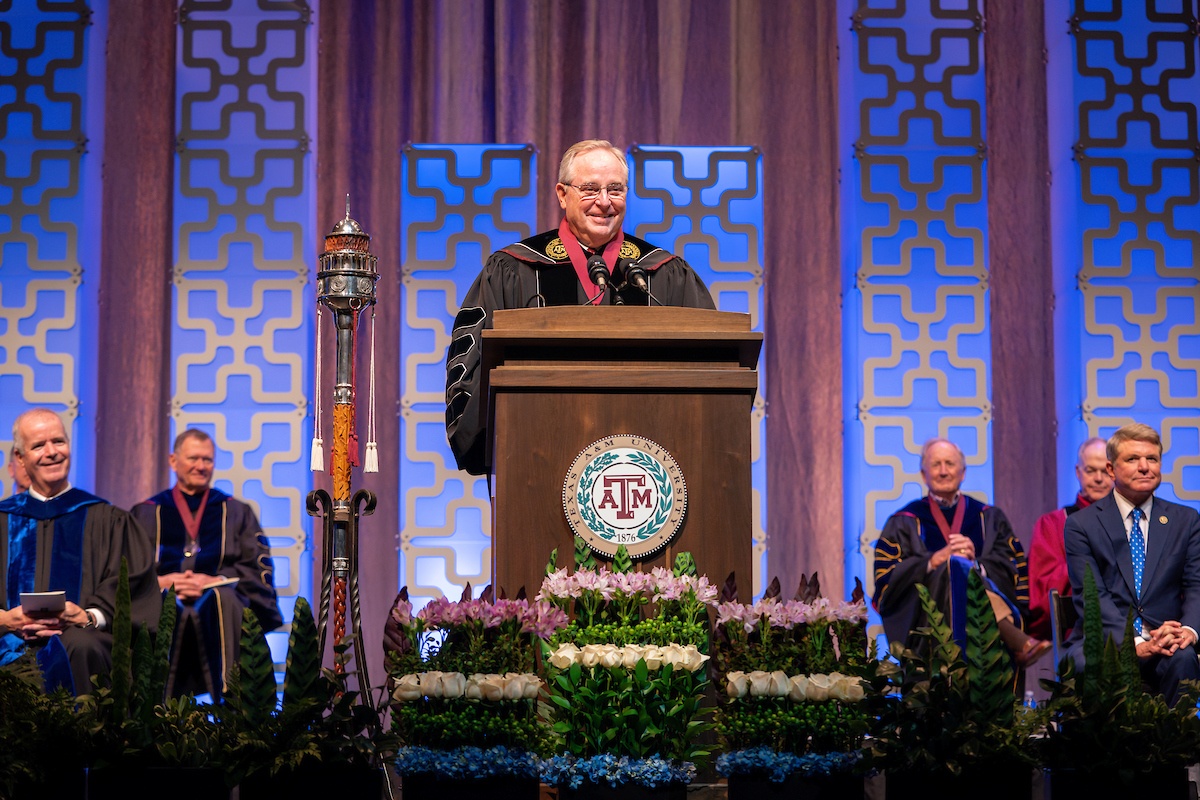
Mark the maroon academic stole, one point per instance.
(575, 251)
(960, 511)
(191, 522)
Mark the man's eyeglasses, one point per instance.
(590, 191)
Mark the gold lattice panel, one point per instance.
(917, 343)
(244, 310)
(49, 223)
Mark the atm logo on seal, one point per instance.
(625, 490)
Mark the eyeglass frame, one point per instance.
(620, 195)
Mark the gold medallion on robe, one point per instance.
(556, 250)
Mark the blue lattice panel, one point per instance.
(458, 203)
(916, 334)
(51, 132)
(244, 306)
(706, 205)
(1127, 242)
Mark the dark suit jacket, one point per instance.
(1095, 536)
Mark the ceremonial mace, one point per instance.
(346, 286)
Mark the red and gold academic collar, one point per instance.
(191, 522)
(579, 261)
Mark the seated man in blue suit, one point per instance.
(1145, 554)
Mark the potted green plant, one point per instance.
(626, 678)
(790, 693)
(321, 737)
(45, 744)
(947, 719)
(139, 741)
(1104, 732)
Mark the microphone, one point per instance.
(635, 274)
(598, 272)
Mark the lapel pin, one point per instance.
(1162, 520)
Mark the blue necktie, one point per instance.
(1137, 548)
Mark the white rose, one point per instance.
(654, 658)
(591, 654)
(693, 658)
(453, 684)
(407, 688)
(611, 656)
(760, 683)
(798, 688)
(531, 685)
(674, 655)
(819, 687)
(780, 685)
(736, 684)
(431, 684)
(848, 689)
(631, 654)
(474, 691)
(492, 688)
(566, 655)
(514, 686)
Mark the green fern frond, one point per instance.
(621, 561)
(584, 558)
(944, 651)
(257, 683)
(1128, 656)
(685, 565)
(303, 660)
(141, 703)
(122, 674)
(162, 646)
(1093, 637)
(989, 669)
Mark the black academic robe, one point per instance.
(911, 536)
(531, 273)
(232, 545)
(93, 536)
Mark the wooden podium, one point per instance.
(559, 379)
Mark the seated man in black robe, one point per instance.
(556, 268)
(936, 541)
(212, 550)
(57, 538)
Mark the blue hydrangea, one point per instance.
(468, 762)
(778, 766)
(652, 773)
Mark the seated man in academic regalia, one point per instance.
(57, 538)
(211, 548)
(937, 541)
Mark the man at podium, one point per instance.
(588, 259)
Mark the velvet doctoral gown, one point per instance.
(74, 543)
(232, 545)
(538, 272)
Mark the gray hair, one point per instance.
(19, 440)
(1083, 448)
(939, 440)
(587, 146)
